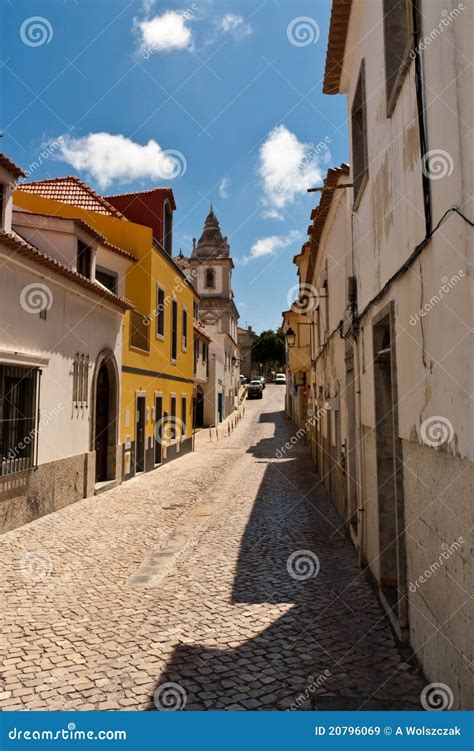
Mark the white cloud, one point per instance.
(268, 246)
(165, 33)
(272, 214)
(235, 26)
(224, 186)
(287, 167)
(111, 158)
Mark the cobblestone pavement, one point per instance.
(193, 576)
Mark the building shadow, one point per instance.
(330, 646)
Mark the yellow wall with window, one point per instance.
(147, 370)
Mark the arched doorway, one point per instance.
(104, 422)
(101, 424)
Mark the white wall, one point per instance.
(74, 323)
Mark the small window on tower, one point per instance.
(210, 278)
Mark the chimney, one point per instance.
(194, 244)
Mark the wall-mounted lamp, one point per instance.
(290, 337)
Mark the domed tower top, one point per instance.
(211, 244)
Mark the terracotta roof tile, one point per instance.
(15, 242)
(72, 190)
(10, 166)
(340, 14)
(322, 210)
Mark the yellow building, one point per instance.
(157, 365)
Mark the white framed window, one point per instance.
(184, 329)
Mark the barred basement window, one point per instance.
(80, 381)
(19, 397)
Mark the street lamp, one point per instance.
(290, 337)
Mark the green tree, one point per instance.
(269, 349)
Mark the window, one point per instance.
(360, 160)
(196, 310)
(185, 330)
(84, 257)
(168, 228)
(210, 278)
(398, 30)
(80, 381)
(108, 279)
(19, 388)
(160, 311)
(174, 330)
(139, 325)
(183, 418)
(205, 357)
(173, 430)
(196, 354)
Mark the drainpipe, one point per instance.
(359, 453)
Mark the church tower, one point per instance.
(209, 268)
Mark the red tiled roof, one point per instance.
(14, 242)
(87, 228)
(71, 190)
(10, 166)
(320, 215)
(340, 14)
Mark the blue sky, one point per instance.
(219, 100)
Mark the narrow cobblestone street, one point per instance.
(182, 576)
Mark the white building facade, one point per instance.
(389, 414)
(60, 357)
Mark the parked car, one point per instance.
(243, 379)
(280, 378)
(255, 390)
